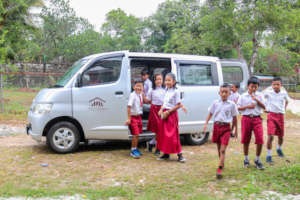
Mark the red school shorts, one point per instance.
(221, 134)
(136, 125)
(250, 124)
(275, 124)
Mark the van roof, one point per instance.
(160, 55)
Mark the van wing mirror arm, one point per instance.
(78, 81)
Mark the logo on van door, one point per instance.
(96, 104)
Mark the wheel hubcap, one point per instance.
(198, 137)
(63, 138)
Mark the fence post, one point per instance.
(1, 94)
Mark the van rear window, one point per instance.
(232, 74)
(195, 74)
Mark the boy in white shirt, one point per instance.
(135, 111)
(224, 112)
(147, 81)
(276, 102)
(234, 95)
(251, 105)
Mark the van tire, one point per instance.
(63, 137)
(192, 139)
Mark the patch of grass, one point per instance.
(295, 95)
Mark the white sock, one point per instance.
(133, 148)
(257, 158)
(246, 158)
(269, 152)
(278, 147)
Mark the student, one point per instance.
(147, 82)
(170, 139)
(234, 96)
(251, 105)
(224, 112)
(155, 96)
(276, 103)
(135, 111)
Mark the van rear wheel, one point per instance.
(197, 139)
(63, 137)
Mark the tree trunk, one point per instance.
(254, 52)
(239, 51)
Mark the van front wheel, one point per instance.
(197, 139)
(63, 137)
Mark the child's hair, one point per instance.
(173, 77)
(253, 80)
(225, 85)
(236, 84)
(154, 79)
(138, 81)
(145, 72)
(276, 78)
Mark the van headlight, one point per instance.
(42, 108)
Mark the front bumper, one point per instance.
(37, 137)
(36, 125)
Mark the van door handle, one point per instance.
(119, 93)
(181, 95)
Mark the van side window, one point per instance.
(195, 74)
(104, 71)
(232, 74)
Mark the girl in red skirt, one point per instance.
(170, 139)
(155, 96)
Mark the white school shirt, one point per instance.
(156, 96)
(234, 96)
(147, 86)
(172, 98)
(246, 99)
(136, 103)
(275, 102)
(223, 111)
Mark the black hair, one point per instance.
(154, 79)
(145, 72)
(173, 77)
(276, 78)
(225, 85)
(138, 81)
(237, 85)
(253, 80)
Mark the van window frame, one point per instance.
(121, 55)
(214, 71)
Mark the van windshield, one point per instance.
(70, 73)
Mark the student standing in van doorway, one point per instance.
(155, 96)
(224, 112)
(251, 105)
(135, 111)
(147, 82)
(234, 96)
(170, 139)
(276, 103)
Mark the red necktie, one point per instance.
(141, 104)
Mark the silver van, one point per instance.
(90, 101)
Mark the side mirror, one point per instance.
(78, 81)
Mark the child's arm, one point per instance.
(206, 122)
(234, 126)
(168, 112)
(145, 100)
(251, 106)
(260, 104)
(183, 108)
(129, 115)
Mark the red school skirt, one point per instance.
(170, 139)
(154, 123)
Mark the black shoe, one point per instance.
(157, 152)
(246, 163)
(164, 157)
(259, 165)
(269, 160)
(280, 153)
(181, 158)
(232, 135)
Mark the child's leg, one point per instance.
(134, 142)
(219, 148)
(280, 141)
(269, 142)
(258, 149)
(222, 155)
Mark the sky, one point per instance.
(95, 10)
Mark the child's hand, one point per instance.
(166, 114)
(251, 106)
(184, 109)
(128, 122)
(159, 112)
(204, 128)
